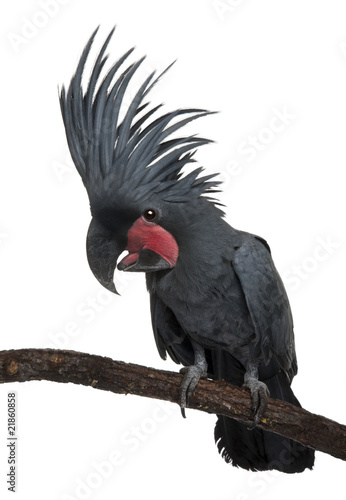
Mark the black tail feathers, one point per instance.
(259, 450)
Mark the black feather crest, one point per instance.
(132, 155)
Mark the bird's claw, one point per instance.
(259, 396)
(192, 375)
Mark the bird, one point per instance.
(218, 305)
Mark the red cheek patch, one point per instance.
(144, 234)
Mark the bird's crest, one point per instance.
(134, 154)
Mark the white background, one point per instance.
(252, 61)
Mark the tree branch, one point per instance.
(210, 396)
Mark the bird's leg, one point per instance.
(259, 393)
(192, 374)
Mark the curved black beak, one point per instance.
(103, 250)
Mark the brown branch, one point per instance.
(210, 396)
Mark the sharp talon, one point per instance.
(253, 425)
(259, 396)
(192, 374)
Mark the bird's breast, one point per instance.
(213, 313)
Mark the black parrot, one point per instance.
(218, 305)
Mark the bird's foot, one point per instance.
(192, 375)
(259, 396)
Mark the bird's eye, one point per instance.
(149, 214)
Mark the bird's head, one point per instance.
(131, 168)
(150, 246)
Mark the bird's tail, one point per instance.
(256, 449)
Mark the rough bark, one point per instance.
(210, 396)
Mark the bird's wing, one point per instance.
(169, 335)
(268, 306)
